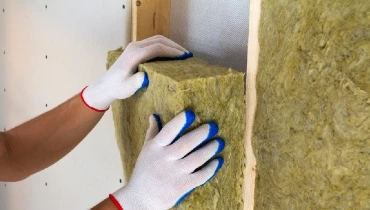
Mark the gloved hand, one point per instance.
(164, 172)
(120, 81)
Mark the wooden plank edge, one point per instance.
(251, 100)
(149, 18)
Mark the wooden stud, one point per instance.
(149, 18)
(252, 68)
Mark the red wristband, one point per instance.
(116, 203)
(83, 100)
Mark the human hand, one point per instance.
(122, 81)
(167, 171)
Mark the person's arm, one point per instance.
(41, 142)
(107, 204)
(167, 171)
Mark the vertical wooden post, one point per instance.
(251, 100)
(149, 18)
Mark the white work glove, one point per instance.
(122, 81)
(164, 172)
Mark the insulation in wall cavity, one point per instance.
(215, 94)
(312, 127)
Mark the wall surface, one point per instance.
(75, 36)
(214, 30)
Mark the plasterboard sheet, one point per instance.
(75, 36)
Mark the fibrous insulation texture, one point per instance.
(215, 94)
(311, 133)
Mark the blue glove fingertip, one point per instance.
(190, 116)
(219, 166)
(185, 56)
(158, 120)
(145, 81)
(189, 119)
(183, 197)
(213, 129)
(221, 146)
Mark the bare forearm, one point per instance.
(107, 204)
(39, 143)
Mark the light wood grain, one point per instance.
(251, 100)
(149, 18)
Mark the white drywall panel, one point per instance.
(75, 36)
(214, 30)
(1, 65)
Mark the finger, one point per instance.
(162, 40)
(184, 56)
(193, 139)
(184, 196)
(155, 126)
(155, 37)
(153, 51)
(159, 50)
(134, 83)
(199, 157)
(175, 127)
(205, 174)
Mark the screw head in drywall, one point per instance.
(138, 3)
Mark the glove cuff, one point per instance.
(116, 203)
(87, 97)
(131, 199)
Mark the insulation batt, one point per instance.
(215, 94)
(311, 133)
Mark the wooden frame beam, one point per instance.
(251, 100)
(149, 18)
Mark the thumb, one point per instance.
(155, 126)
(138, 81)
